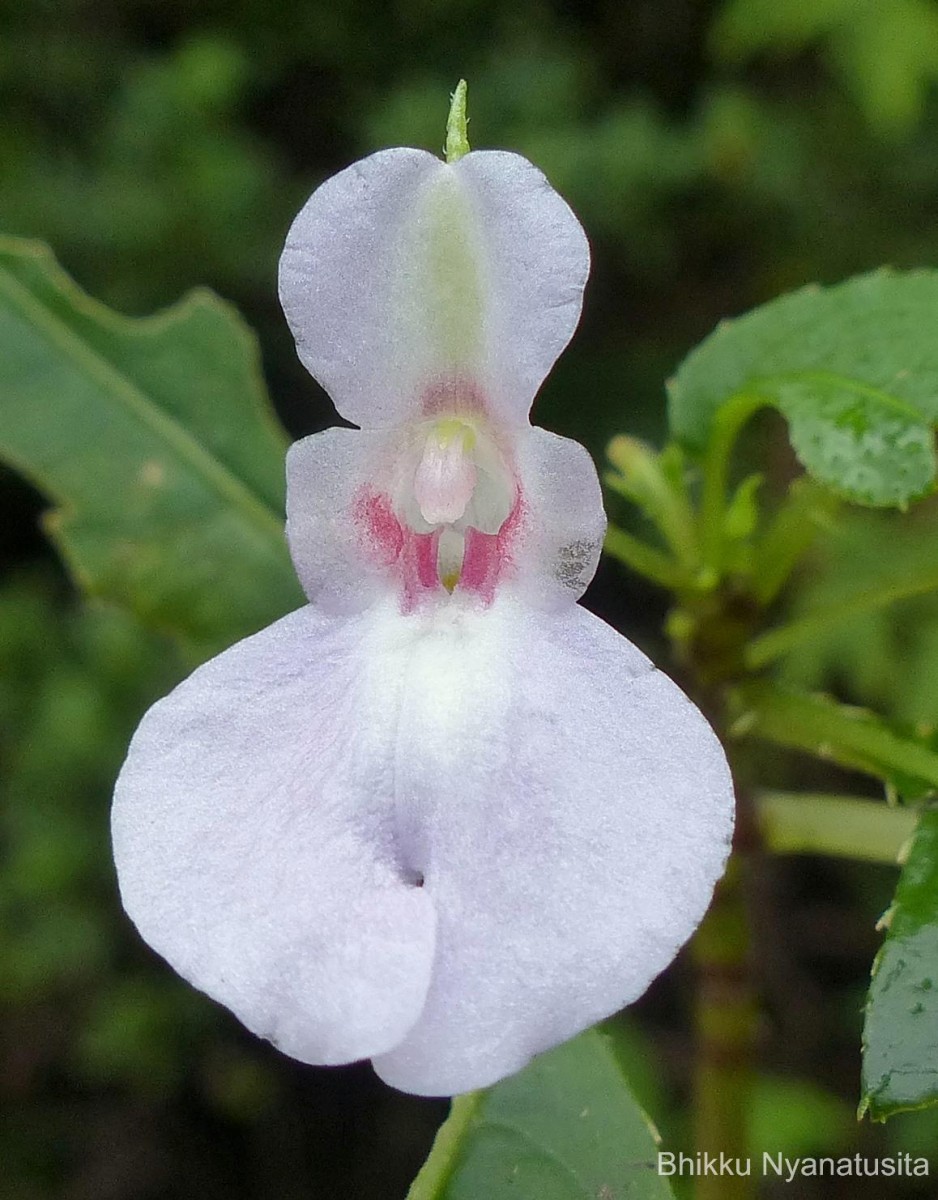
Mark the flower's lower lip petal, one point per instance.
(254, 849)
(571, 826)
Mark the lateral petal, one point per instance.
(414, 286)
(255, 849)
(571, 811)
(349, 543)
(342, 532)
(548, 550)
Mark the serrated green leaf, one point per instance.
(854, 369)
(156, 443)
(565, 1128)
(900, 1033)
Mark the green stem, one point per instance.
(725, 1024)
(769, 646)
(727, 425)
(447, 1146)
(643, 559)
(839, 826)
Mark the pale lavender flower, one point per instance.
(442, 817)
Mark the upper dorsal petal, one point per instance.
(404, 277)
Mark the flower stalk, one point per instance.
(725, 1026)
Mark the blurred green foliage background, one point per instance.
(717, 153)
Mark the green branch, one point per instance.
(439, 1166)
(725, 1025)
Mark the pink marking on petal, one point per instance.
(488, 556)
(419, 567)
(480, 564)
(387, 543)
(425, 557)
(382, 534)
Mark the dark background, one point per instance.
(717, 155)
